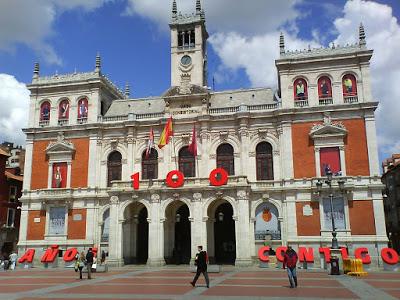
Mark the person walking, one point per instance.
(201, 262)
(89, 262)
(13, 260)
(81, 263)
(290, 260)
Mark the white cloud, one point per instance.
(14, 103)
(30, 22)
(383, 36)
(250, 17)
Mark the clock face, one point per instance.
(186, 60)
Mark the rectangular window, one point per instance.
(338, 213)
(10, 217)
(330, 158)
(59, 176)
(56, 220)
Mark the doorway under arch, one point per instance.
(177, 235)
(221, 236)
(135, 234)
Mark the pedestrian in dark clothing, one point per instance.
(201, 262)
(89, 262)
(81, 263)
(290, 261)
(103, 257)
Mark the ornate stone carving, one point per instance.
(213, 156)
(197, 197)
(265, 196)
(328, 123)
(252, 154)
(276, 152)
(103, 162)
(99, 143)
(155, 198)
(114, 144)
(241, 195)
(137, 161)
(130, 140)
(236, 154)
(219, 195)
(223, 135)
(262, 133)
(185, 138)
(176, 196)
(114, 200)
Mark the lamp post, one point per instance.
(328, 181)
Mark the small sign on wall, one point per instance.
(77, 217)
(36, 220)
(307, 210)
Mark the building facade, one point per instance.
(10, 192)
(86, 138)
(16, 161)
(391, 179)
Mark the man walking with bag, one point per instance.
(89, 263)
(290, 261)
(201, 262)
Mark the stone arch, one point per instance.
(350, 72)
(108, 149)
(103, 209)
(62, 99)
(79, 98)
(269, 138)
(126, 203)
(210, 200)
(231, 140)
(257, 203)
(168, 201)
(304, 77)
(325, 75)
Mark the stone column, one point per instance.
(197, 226)
(286, 150)
(28, 165)
(23, 226)
(156, 233)
(243, 255)
(244, 150)
(115, 237)
(92, 161)
(290, 217)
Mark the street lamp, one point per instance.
(178, 218)
(328, 181)
(220, 216)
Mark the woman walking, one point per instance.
(81, 263)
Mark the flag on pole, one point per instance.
(150, 144)
(166, 134)
(193, 144)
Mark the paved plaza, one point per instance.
(173, 283)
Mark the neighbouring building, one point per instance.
(10, 207)
(391, 179)
(86, 138)
(16, 161)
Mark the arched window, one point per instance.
(267, 223)
(63, 110)
(105, 227)
(324, 87)
(225, 158)
(150, 165)
(264, 163)
(82, 109)
(114, 166)
(349, 85)
(45, 111)
(300, 89)
(187, 163)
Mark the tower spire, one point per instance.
(127, 90)
(36, 71)
(198, 7)
(98, 63)
(361, 36)
(282, 44)
(174, 10)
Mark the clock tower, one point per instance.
(188, 47)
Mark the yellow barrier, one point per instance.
(346, 265)
(356, 268)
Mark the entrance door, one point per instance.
(142, 237)
(224, 235)
(182, 236)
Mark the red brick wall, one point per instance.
(36, 230)
(308, 225)
(79, 167)
(362, 221)
(356, 150)
(76, 229)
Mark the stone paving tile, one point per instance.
(281, 282)
(279, 292)
(383, 284)
(383, 276)
(134, 280)
(176, 274)
(395, 294)
(280, 274)
(21, 288)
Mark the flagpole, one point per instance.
(176, 159)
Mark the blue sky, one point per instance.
(132, 37)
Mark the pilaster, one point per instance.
(156, 233)
(243, 254)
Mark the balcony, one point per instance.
(300, 103)
(82, 120)
(44, 123)
(267, 235)
(325, 101)
(63, 122)
(351, 99)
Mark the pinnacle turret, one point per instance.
(361, 36)
(127, 90)
(281, 44)
(198, 7)
(98, 63)
(174, 10)
(36, 71)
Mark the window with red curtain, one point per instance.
(330, 157)
(324, 87)
(59, 176)
(82, 108)
(45, 111)
(63, 110)
(349, 84)
(300, 89)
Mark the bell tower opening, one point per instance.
(188, 46)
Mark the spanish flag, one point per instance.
(167, 132)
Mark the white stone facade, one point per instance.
(242, 119)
